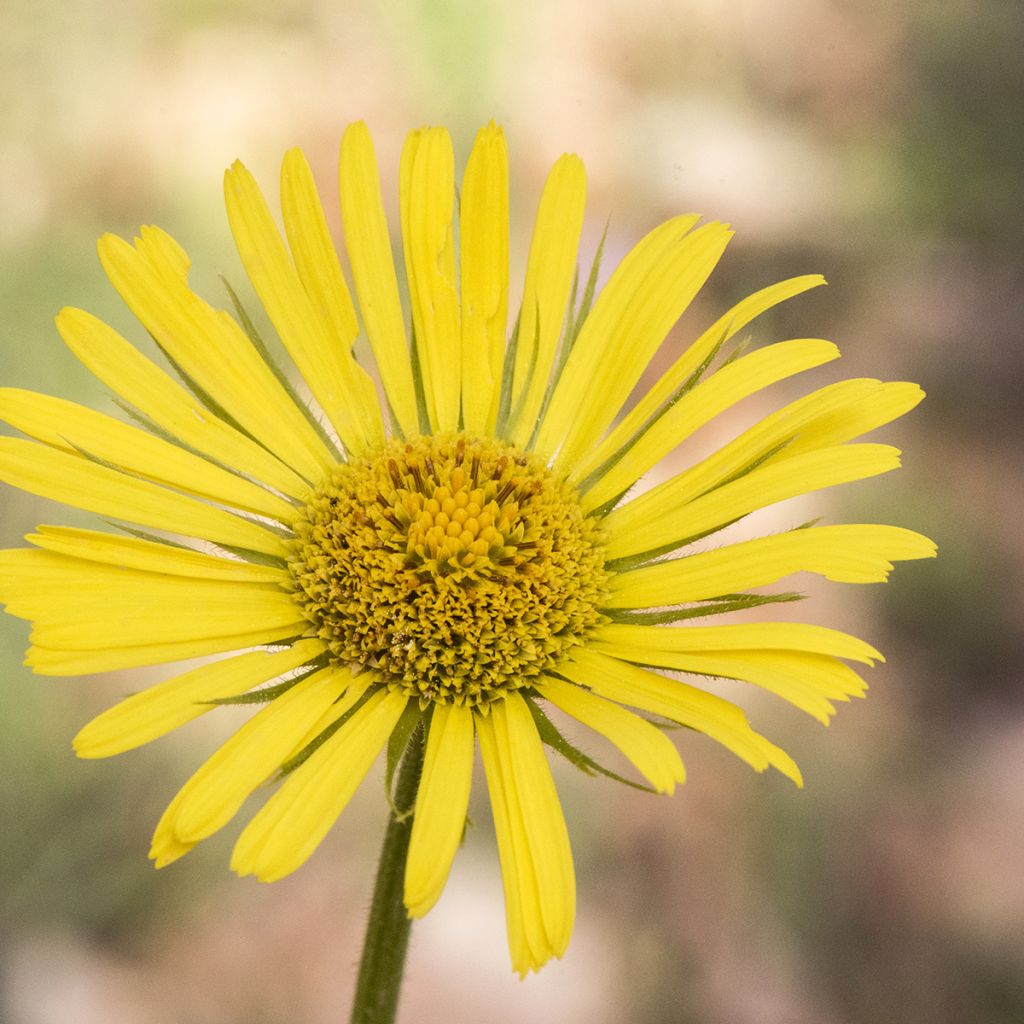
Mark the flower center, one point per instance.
(457, 568)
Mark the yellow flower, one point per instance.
(438, 529)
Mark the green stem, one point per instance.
(387, 931)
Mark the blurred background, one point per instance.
(879, 144)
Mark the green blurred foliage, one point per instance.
(961, 142)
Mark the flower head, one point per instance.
(442, 534)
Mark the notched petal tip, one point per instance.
(110, 246)
(570, 163)
(356, 133)
(667, 786)
(166, 848)
(84, 746)
(239, 186)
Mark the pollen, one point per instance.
(455, 568)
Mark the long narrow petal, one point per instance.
(343, 390)
(528, 945)
(105, 615)
(631, 318)
(697, 709)
(50, 661)
(843, 410)
(313, 250)
(427, 188)
(483, 263)
(294, 821)
(216, 791)
(72, 480)
(210, 347)
(845, 554)
(542, 818)
(707, 400)
(441, 805)
(81, 605)
(373, 270)
(58, 573)
(631, 641)
(806, 680)
(646, 746)
(74, 428)
(160, 709)
(892, 400)
(128, 373)
(354, 691)
(550, 267)
(149, 556)
(539, 873)
(727, 325)
(624, 304)
(655, 518)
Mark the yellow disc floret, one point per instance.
(455, 567)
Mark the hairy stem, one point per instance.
(387, 931)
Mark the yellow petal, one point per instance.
(619, 306)
(542, 819)
(82, 605)
(892, 400)
(483, 258)
(728, 325)
(807, 681)
(845, 554)
(782, 434)
(528, 945)
(214, 794)
(539, 875)
(828, 417)
(160, 709)
(149, 556)
(644, 297)
(316, 258)
(344, 391)
(618, 639)
(696, 709)
(294, 821)
(54, 662)
(550, 267)
(354, 690)
(646, 746)
(73, 480)
(168, 847)
(713, 396)
(655, 518)
(111, 628)
(55, 576)
(165, 850)
(427, 190)
(138, 381)
(441, 805)
(73, 428)
(373, 270)
(212, 349)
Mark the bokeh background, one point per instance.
(877, 143)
